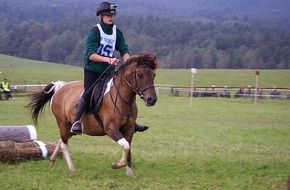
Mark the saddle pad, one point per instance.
(109, 85)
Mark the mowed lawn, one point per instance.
(24, 71)
(216, 143)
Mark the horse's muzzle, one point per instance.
(150, 101)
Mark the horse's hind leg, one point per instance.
(64, 129)
(55, 153)
(65, 151)
(66, 154)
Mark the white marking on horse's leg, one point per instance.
(124, 144)
(126, 147)
(66, 154)
(54, 154)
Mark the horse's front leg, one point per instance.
(116, 135)
(129, 170)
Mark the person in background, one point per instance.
(103, 39)
(5, 88)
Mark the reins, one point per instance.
(135, 89)
(114, 100)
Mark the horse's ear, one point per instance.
(144, 57)
(140, 60)
(150, 59)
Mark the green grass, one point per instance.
(225, 77)
(22, 71)
(215, 144)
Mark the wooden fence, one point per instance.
(224, 91)
(198, 91)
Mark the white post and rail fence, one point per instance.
(251, 91)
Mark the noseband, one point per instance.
(133, 80)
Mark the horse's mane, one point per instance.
(148, 59)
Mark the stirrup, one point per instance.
(77, 128)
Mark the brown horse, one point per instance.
(117, 113)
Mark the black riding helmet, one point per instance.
(106, 8)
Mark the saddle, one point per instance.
(97, 96)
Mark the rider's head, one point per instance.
(107, 9)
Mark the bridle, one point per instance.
(137, 89)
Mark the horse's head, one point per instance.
(140, 76)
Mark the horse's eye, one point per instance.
(140, 75)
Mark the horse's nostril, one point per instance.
(151, 101)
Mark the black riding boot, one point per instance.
(140, 128)
(77, 127)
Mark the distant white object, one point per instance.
(193, 70)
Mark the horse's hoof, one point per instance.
(129, 171)
(72, 169)
(51, 164)
(117, 165)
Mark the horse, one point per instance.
(117, 112)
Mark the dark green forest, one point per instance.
(57, 33)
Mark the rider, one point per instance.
(5, 87)
(103, 39)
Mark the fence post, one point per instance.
(256, 86)
(193, 71)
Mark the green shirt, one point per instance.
(93, 43)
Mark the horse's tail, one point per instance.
(38, 100)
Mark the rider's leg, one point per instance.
(77, 127)
(140, 128)
(89, 79)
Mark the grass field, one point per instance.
(217, 143)
(22, 71)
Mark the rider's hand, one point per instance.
(114, 61)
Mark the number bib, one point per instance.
(107, 43)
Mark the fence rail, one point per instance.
(198, 91)
(27, 87)
(224, 91)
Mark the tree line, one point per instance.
(57, 34)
